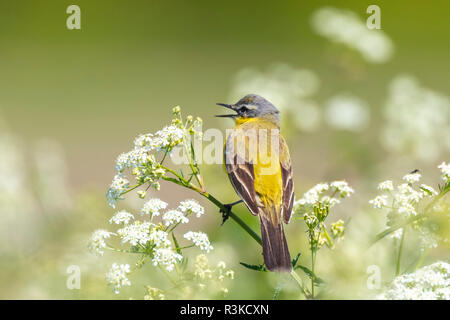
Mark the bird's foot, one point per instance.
(227, 209)
(225, 213)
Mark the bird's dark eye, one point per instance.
(243, 109)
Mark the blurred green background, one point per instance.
(72, 100)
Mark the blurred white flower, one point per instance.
(428, 283)
(417, 120)
(97, 242)
(344, 26)
(117, 276)
(412, 177)
(386, 186)
(445, 170)
(289, 89)
(200, 239)
(347, 112)
(379, 202)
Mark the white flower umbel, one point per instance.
(166, 257)
(118, 186)
(428, 283)
(153, 207)
(412, 177)
(386, 185)
(97, 242)
(445, 170)
(342, 188)
(159, 238)
(117, 276)
(137, 233)
(121, 217)
(379, 202)
(174, 217)
(191, 207)
(200, 239)
(344, 26)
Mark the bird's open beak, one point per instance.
(229, 106)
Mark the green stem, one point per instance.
(400, 249)
(313, 262)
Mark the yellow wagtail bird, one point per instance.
(259, 167)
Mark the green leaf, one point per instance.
(310, 274)
(295, 260)
(177, 247)
(260, 267)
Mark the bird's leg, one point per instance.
(226, 212)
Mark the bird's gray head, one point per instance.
(252, 106)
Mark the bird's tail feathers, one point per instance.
(275, 249)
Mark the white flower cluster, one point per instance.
(205, 273)
(118, 186)
(315, 206)
(191, 207)
(136, 233)
(314, 197)
(344, 26)
(142, 159)
(403, 202)
(173, 217)
(153, 207)
(150, 237)
(347, 112)
(428, 283)
(200, 239)
(166, 257)
(121, 217)
(405, 198)
(417, 120)
(97, 242)
(117, 276)
(445, 170)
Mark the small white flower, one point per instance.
(445, 170)
(191, 207)
(121, 217)
(200, 239)
(386, 186)
(159, 238)
(119, 185)
(412, 177)
(97, 242)
(166, 257)
(173, 217)
(153, 207)
(117, 276)
(407, 210)
(379, 202)
(343, 188)
(137, 233)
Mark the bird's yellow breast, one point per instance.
(266, 161)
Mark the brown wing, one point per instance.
(242, 177)
(288, 182)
